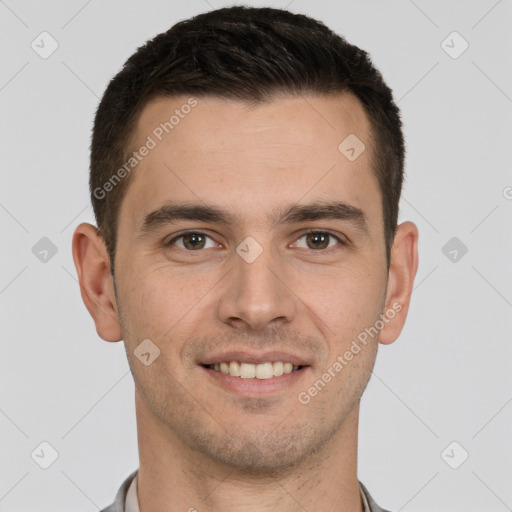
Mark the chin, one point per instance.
(262, 452)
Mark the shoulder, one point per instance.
(372, 505)
(119, 501)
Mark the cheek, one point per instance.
(160, 302)
(347, 300)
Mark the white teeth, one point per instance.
(251, 371)
(288, 367)
(264, 371)
(247, 371)
(278, 369)
(234, 369)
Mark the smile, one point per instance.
(254, 371)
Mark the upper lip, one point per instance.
(256, 358)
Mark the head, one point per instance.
(234, 126)
(249, 55)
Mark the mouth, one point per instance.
(256, 379)
(262, 371)
(252, 374)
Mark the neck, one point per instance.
(173, 477)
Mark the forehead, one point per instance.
(247, 159)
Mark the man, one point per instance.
(246, 170)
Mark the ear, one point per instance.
(401, 274)
(96, 285)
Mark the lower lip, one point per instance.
(256, 387)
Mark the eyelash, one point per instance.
(311, 231)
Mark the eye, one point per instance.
(320, 240)
(196, 240)
(191, 241)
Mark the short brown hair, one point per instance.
(246, 54)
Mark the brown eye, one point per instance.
(320, 240)
(193, 241)
(190, 241)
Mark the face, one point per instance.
(242, 279)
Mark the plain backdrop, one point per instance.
(436, 417)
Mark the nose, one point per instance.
(259, 294)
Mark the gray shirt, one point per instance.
(127, 500)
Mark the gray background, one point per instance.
(448, 376)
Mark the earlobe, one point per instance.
(96, 286)
(402, 271)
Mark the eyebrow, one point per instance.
(172, 212)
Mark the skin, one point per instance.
(201, 445)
